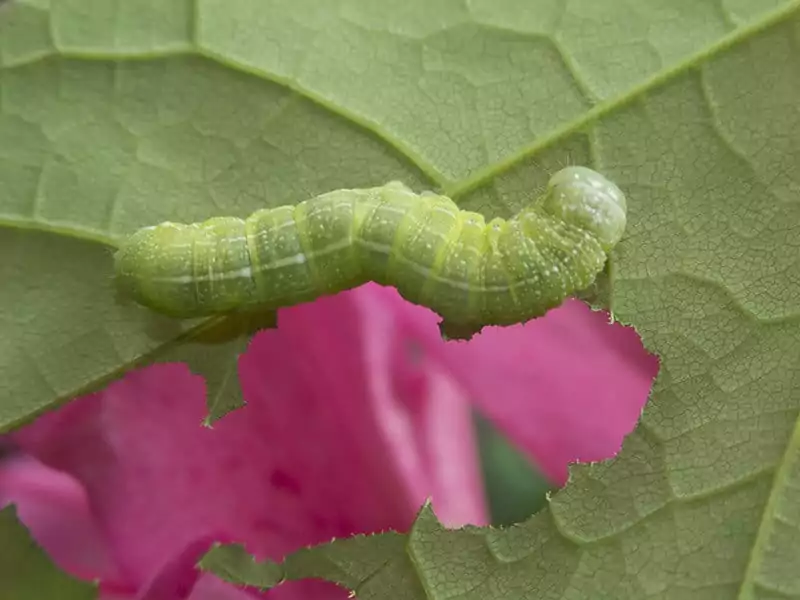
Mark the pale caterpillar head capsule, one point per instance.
(584, 198)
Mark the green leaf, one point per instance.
(26, 572)
(378, 566)
(93, 149)
(434, 563)
(119, 114)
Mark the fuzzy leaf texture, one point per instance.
(690, 107)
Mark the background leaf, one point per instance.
(120, 114)
(700, 502)
(691, 107)
(26, 572)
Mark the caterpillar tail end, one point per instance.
(159, 284)
(125, 283)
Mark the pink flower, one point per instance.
(566, 388)
(356, 413)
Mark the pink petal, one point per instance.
(56, 509)
(343, 433)
(565, 387)
(209, 587)
(441, 422)
(206, 587)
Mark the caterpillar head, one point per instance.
(586, 199)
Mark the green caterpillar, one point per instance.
(470, 272)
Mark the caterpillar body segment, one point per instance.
(470, 272)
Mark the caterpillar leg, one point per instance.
(451, 330)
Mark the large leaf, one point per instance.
(26, 572)
(701, 503)
(233, 106)
(690, 106)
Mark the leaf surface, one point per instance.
(26, 572)
(119, 114)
